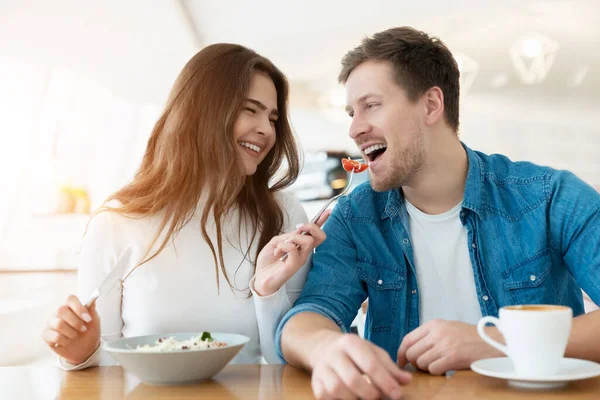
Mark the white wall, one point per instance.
(134, 48)
(562, 135)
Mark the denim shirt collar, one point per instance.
(472, 198)
(395, 202)
(474, 189)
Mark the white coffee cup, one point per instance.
(536, 337)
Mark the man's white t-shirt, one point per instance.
(444, 271)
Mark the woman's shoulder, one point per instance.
(107, 215)
(108, 218)
(292, 209)
(287, 200)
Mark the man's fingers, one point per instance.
(401, 376)
(418, 349)
(423, 361)
(317, 388)
(408, 341)
(440, 366)
(334, 386)
(378, 372)
(354, 380)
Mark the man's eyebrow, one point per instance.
(360, 100)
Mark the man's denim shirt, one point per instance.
(533, 237)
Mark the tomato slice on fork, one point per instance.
(353, 166)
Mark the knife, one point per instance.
(111, 279)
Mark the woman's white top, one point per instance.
(177, 290)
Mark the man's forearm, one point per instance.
(583, 342)
(305, 336)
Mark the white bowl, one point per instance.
(178, 366)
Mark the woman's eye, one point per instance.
(250, 109)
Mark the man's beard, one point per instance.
(401, 167)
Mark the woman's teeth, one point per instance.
(250, 146)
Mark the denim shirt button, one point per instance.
(380, 282)
(473, 245)
(532, 278)
(485, 297)
(414, 291)
(405, 241)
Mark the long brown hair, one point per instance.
(191, 154)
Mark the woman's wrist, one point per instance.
(84, 358)
(262, 288)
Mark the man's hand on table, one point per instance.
(440, 346)
(351, 367)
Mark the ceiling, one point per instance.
(135, 48)
(308, 38)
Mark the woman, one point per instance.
(186, 230)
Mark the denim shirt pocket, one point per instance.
(384, 285)
(526, 281)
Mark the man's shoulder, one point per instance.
(513, 188)
(500, 169)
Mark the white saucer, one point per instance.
(571, 369)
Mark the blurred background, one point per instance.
(82, 83)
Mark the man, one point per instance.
(441, 235)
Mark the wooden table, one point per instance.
(252, 382)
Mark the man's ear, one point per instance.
(434, 105)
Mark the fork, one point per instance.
(322, 210)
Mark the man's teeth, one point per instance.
(250, 146)
(371, 149)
